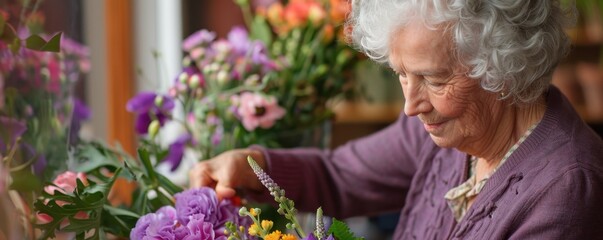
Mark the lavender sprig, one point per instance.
(286, 206)
(320, 232)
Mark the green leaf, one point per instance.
(15, 45)
(145, 158)
(35, 42)
(118, 221)
(261, 30)
(25, 181)
(89, 199)
(94, 158)
(341, 231)
(54, 44)
(170, 187)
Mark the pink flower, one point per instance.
(66, 183)
(256, 110)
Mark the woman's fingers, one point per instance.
(201, 176)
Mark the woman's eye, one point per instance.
(435, 85)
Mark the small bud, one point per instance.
(243, 211)
(194, 81)
(253, 212)
(154, 128)
(183, 77)
(289, 226)
(186, 61)
(45, 73)
(222, 77)
(267, 225)
(158, 100)
(258, 211)
(252, 80)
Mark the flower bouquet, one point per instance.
(268, 86)
(286, 207)
(39, 115)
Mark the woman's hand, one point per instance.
(228, 171)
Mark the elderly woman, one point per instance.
(485, 149)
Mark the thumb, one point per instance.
(224, 190)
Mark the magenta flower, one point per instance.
(256, 110)
(148, 108)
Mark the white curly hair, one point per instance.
(509, 45)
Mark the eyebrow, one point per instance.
(435, 73)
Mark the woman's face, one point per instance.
(454, 109)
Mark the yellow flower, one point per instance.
(253, 212)
(254, 230)
(288, 237)
(276, 235)
(267, 225)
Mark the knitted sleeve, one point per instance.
(375, 169)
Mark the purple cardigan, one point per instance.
(551, 187)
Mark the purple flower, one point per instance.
(176, 151)
(217, 136)
(197, 215)
(159, 225)
(198, 38)
(197, 201)
(199, 229)
(80, 113)
(80, 110)
(146, 101)
(148, 108)
(10, 131)
(239, 39)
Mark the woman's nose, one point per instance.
(416, 100)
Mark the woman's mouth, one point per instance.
(431, 127)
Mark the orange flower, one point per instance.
(316, 13)
(296, 13)
(275, 14)
(288, 237)
(328, 33)
(276, 235)
(339, 10)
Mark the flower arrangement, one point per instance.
(36, 100)
(249, 88)
(197, 215)
(265, 86)
(263, 228)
